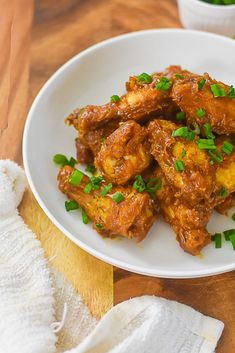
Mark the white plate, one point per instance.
(92, 77)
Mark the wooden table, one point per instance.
(30, 52)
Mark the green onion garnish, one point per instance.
(196, 129)
(71, 205)
(90, 168)
(180, 116)
(76, 177)
(88, 188)
(98, 225)
(115, 98)
(118, 197)
(232, 239)
(228, 233)
(106, 189)
(216, 156)
(206, 144)
(94, 184)
(146, 78)
(85, 218)
(184, 132)
(208, 131)
(223, 192)
(183, 153)
(233, 217)
(227, 147)
(218, 240)
(62, 160)
(200, 112)
(153, 185)
(201, 84)
(164, 84)
(181, 77)
(139, 183)
(231, 92)
(179, 165)
(217, 90)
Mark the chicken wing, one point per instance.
(225, 205)
(194, 92)
(125, 153)
(196, 179)
(189, 223)
(136, 104)
(131, 218)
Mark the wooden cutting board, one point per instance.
(30, 53)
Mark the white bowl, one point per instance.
(196, 14)
(92, 77)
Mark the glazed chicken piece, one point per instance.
(225, 205)
(219, 111)
(136, 104)
(189, 223)
(225, 173)
(195, 180)
(125, 153)
(131, 218)
(84, 153)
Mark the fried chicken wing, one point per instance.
(189, 223)
(131, 218)
(219, 111)
(225, 205)
(125, 153)
(140, 101)
(84, 153)
(195, 182)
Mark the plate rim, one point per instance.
(98, 254)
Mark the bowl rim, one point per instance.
(208, 6)
(103, 257)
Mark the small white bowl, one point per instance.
(196, 14)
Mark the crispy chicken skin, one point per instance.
(84, 154)
(196, 182)
(131, 218)
(219, 111)
(125, 153)
(189, 223)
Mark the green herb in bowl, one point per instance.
(220, 2)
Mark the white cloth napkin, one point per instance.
(27, 305)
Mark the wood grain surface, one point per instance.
(60, 30)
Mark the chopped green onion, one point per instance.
(153, 185)
(233, 217)
(216, 156)
(206, 144)
(85, 218)
(62, 160)
(232, 239)
(164, 84)
(196, 129)
(98, 225)
(179, 165)
(223, 192)
(71, 205)
(208, 131)
(184, 132)
(118, 197)
(183, 153)
(96, 181)
(90, 168)
(201, 84)
(228, 233)
(179, 76)
(217, 90)
(218, 240)
(227, 147)
(212, 162)
(115, 98)
(139, 183)
(76, 177)
(200, 112)
(106, 189)
(231, 92)
(88, 188)
(180, 116)
(146, 78)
